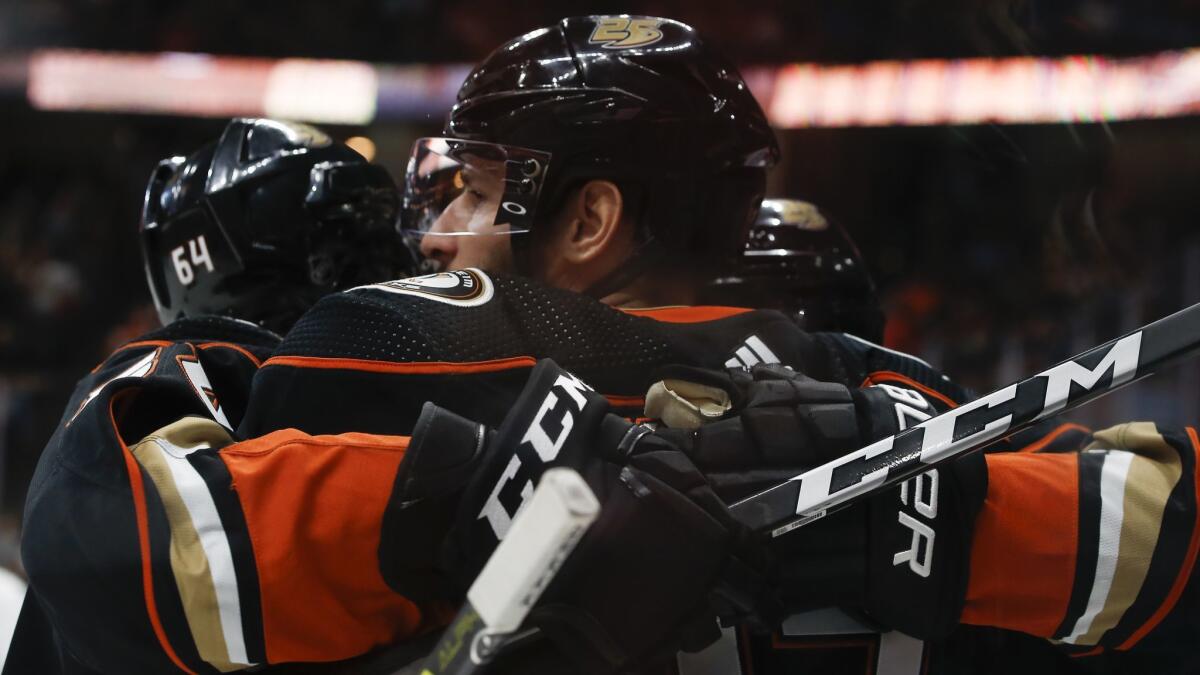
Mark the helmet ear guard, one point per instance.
(363, 194)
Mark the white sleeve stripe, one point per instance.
(760, 348)
(199, 381)
(207, 521)
(1113, 473)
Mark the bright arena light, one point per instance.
(974, 91)
(338, 92)
(883, 93)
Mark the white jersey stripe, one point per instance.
(207, 521)
(1113, 473)
(761, 349)
(747, 356)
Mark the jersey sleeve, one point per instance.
(267, 551)
(155, 543)
(1094, 550)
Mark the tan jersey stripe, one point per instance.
(1153, 473)
(189, 564)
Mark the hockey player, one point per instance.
(798, 261)
(562, 162)
(319, 522)
(238, 239)
(309, 541)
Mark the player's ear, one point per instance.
(595, 223)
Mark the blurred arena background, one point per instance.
(1023, 176)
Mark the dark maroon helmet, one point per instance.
(798, 261)
(641, 101)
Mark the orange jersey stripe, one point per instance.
(237, 348)
(1049, 438)
(687, 314)
(1029, 521)
(426, 368)
(890, 376)
(143, 527)
(1185, 572)
(626, 401)
(314, 508)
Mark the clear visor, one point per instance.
(457, 188)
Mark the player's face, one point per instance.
(465, 200)
(465, 234)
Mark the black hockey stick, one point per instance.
(835, 485)
(543, 534)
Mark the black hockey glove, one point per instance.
(641, 583)
(903, 556)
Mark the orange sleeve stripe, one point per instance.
(237, 348)
(143, 528)
(426, 368)
(1029, 521)
(1048, 439)
(430, 368)
(314, 509)
(891, 376)
(627, 401)
(688, 314)
(1189, 563)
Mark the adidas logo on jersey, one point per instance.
(752, 352)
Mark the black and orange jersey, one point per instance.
(367, 359)
(1094, 549)
(83, 503)
(266, 550)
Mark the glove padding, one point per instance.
(902, 556)
(642, 582)
(783, 421)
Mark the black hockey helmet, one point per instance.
(637, 100)
(798, 261)
(265, 221)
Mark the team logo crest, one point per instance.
(803, 215)
(624, 32)
(464, 288)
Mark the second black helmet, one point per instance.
(265, 221)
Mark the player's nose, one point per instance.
(439, 248)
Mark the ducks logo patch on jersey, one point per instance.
(464, 288)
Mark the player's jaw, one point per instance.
(458, 251)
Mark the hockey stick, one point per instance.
(543, 534)
(837, 484)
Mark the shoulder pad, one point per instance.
(866, 361)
